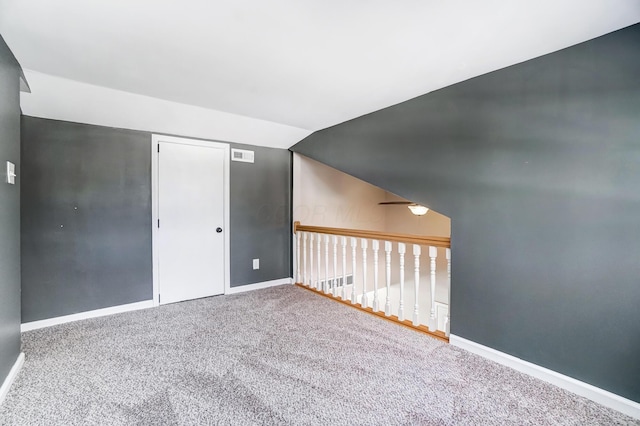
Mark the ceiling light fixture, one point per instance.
(417, 209)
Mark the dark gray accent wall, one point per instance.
(86, 218)
(260, 197)
(538, 166)
(9, 211)
(86, 210)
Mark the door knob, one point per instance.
(218, 230)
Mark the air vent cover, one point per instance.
(243, 155)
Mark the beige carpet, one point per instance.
(276, 356)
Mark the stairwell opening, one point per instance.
(326, 197)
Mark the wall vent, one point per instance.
(242, 155)
(338, 282)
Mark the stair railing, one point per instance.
(333, 246)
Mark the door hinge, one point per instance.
(158, 223)
(158, 147)
(158, 299)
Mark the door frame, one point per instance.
(155, 140)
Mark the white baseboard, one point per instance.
(257, 286)
(34, 325)
(601, 396)
(11, 377)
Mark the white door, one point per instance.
(190, 228)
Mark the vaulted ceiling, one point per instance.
(303, 63)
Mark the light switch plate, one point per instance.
(256, 263)
(11, 173)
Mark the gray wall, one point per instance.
(102, 255)
(260, 196)
(86, 218)
(9, 211)
(538, 165)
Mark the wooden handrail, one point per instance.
(376, 235)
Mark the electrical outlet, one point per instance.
(256, 263)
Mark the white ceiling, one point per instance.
(304, 63)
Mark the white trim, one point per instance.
(258, 286)
(155, 139)
(11, 377)
(34, 325)
(601, 396)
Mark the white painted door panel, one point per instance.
(190, 209)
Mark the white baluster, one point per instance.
(343, 240)
(354, 245)
(311, 275)
(319, 254)
(447, 325)
(335, 264)
(326, 264)
(401, 250)
(433, 321)
(364, 243)
(304, 259)
(299, 274)
(387, 250)
(375, 245)
(416, 307)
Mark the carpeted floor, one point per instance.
(276, 356)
